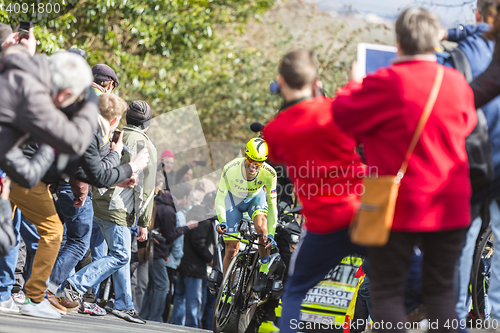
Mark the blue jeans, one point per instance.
(154, 300)
(78, 222)
(187, 301)
(116, 263)
(307, 268)
(8, 263)
(30, 237)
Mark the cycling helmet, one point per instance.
(256, 149)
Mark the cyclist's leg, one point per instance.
(233, 217)
(257, 209)
(231, 251)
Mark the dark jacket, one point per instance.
(92, 170)
(196, 244)
(165, 223)
(26, 107)
(479, 51)
(27, 171)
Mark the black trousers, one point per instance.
(389, 267)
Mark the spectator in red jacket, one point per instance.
(325, 170)
(433, 205)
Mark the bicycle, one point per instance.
(238, 309)
(480, 275)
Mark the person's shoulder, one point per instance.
(232, 164)
(268, 171)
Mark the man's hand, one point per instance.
(271, 243)
(192, 224)
(5, 188)
(30, 42)
(443, 34)
(143, 234)
(167, 260)
(354, 75)
(129, 182)
(222, 228)
(140, 160)
(117, 146)
(78, 202)
(11, 40)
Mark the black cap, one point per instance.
(104, 73)
(78, 51)
(139, 114)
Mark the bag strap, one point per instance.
(429, 105)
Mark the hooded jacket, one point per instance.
(26, 107)
(165, 223)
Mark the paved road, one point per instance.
(74, 322)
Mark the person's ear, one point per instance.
(63, 95)
(113, 121)
(281, 81)
(110, 87)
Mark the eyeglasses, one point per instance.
(254, 163)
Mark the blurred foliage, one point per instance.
(173, 53)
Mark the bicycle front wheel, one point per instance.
(226, 311)
(481, 272)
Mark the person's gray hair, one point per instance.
(417, 31)
(5, 31)
(483, 7)
(69, 70)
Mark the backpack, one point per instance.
(477, 144)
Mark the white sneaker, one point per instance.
(19, 297)
(9, 306)
(42, 309)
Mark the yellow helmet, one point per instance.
(256, 149)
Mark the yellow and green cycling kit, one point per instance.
(236, 195)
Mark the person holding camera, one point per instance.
(78, 215)
(34, 90)
(163, 235)
(117, 209)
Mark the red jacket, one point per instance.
(383, 113)
(321, 161)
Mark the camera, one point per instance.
(116, 136)
(24, 30)
(155, 234)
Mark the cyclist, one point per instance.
(241, 190)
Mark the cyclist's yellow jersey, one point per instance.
(233, 180)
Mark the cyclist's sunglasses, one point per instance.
(254, 163)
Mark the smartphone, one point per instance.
(116, 136)
(24, 30)
(201, 163)
(140, 145)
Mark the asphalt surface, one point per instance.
(75, 322)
